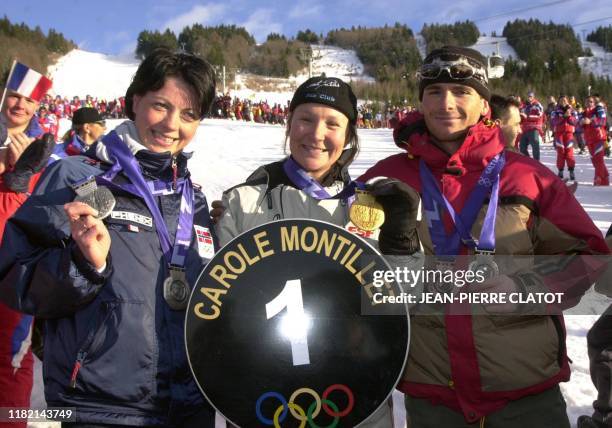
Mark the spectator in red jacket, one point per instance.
(48, 121)
(564, 120)
(532, 119)
(594, 125)
(20, 163)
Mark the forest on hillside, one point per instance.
(547, 53)
(29, 46)
(603, 37)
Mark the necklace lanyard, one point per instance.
(434, 202)
(125, 161)
(300, 178)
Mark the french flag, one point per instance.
(28, 82)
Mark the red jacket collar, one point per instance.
(483, 141)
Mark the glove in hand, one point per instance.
(401, 204)
(31, 161)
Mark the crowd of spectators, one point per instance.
(62, 107)
(226, 107)
(574, 105)
(370, 115)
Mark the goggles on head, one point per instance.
(459, 69)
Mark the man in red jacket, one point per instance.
(532, 119)
(564, 120)
(23, 155)
(594, 124)
(466, 369)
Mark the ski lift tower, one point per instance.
(306, 55)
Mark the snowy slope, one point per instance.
(81, 73)
(600, 64)
(338, 62)
(329, 60)
(488, 46)
(104, 76)
(421, 45)
(485, 45)
(107, 77)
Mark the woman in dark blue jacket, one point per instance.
(113, 289)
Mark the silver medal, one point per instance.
(176, 289)
(484, 263)
(99, 198)
(443, 266)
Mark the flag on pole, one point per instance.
(28, 82)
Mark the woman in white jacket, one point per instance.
(322, 136)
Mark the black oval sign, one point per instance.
(277, 334)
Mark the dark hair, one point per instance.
(351, 139)
(500, 105)
(163, 63)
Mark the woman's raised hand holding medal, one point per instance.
(89, 233)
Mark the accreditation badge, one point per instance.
(281, 311)
(365, 212)
(206, 247)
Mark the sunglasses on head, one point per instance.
(101, 123)
(460, 69)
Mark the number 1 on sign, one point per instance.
(294, 324)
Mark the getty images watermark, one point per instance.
(491, 285)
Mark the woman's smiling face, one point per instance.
(317, 137)
(167, 119)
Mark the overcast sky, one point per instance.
(112, 26)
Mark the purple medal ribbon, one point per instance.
(434, 201)
(157, 187)
(126, 162)
(312, 187)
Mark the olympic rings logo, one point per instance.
(484, 181)
(329, 407)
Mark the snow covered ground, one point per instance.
(87, 73)
(488, 46)
(79, 72)
(226, 152)
(107, 77)
(600, 64)
(338, 62)
(421, 45)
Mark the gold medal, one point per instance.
(366, 213)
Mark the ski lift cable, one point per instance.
(545, 32)
(512, 12)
